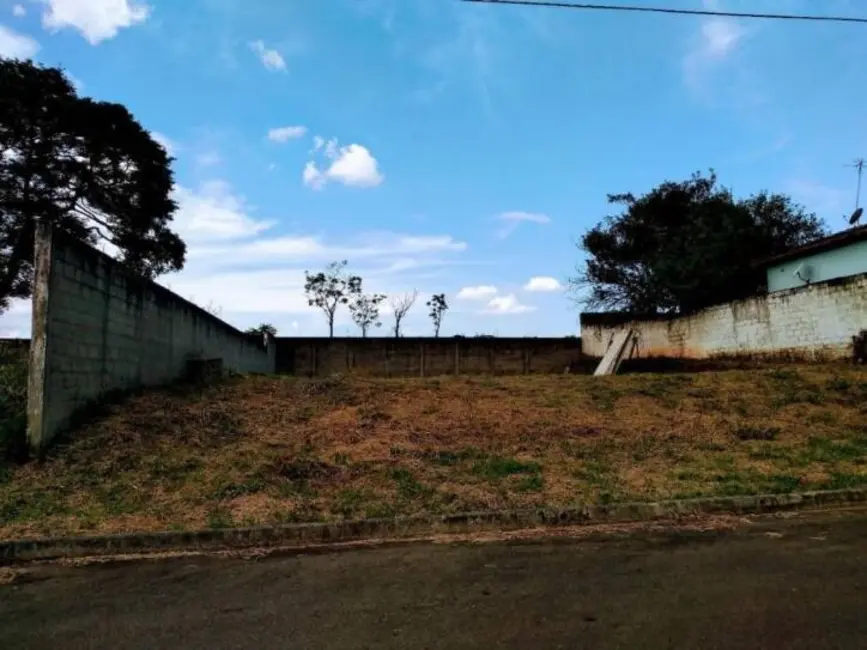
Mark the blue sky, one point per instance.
(447, 147)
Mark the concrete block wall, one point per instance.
(418, 357)
(98, 328)
(817, 321)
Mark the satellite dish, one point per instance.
(856, 216)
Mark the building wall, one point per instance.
(416, 357)
(97, 328)
(809, 322)
(827, 265)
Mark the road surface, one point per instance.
(793, 584)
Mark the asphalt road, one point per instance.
(787, 584)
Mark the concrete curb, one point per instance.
(414, 527)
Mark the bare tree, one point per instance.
(213, 309)
(331, 288)
(438, 307)
(365, 311)
(400, 305)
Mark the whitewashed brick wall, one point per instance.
(103, 329)
(814, 321)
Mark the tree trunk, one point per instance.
(331, 328)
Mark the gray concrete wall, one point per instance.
(814, 322)
(425, 357)
(98, 328)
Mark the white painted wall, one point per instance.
(814, 321)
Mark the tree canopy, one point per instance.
(331, 288)
(263, 328)
(86, 167)
(365, 310)
(686, 245)
(438, 307)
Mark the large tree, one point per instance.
(86, 167)
(686, 245)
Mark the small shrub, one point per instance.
(839, 384)
(533, 483)
(233, 490)
(408, 487)
(219, 518)
(348, 502)
(302, 469)
(496, 467)
(756, 433)
(13, 411)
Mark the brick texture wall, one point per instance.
(425, 357)
(97, 328)
(808, 322)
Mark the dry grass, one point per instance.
(262, 450)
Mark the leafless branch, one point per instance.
(401, 305)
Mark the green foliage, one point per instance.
(88, 168)
(331, 288)
(686, 245)
(408, 487)
(365, 311)
(13, 410)
(497, 467)
(263, 328)
(219, 517)
(438, 307)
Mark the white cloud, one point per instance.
(513, 219)
(237, 261)
(477, 293)
(77, 83)
(352, 165)
(19, 11)
(97, 20)
(16, 46)
(208, 159)
(719, 37)
(270, 58)
(167, 143)
(213, 213)
(715, 41)
(507, 305)
(542, 283)
(285, 133)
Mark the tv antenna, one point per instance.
(856, 215)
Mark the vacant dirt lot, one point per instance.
(280, 449)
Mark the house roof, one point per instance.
(844, 238)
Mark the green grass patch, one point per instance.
(219, 517)
(498, 467)
(533, 483)
(408, 487)
(348, 502)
